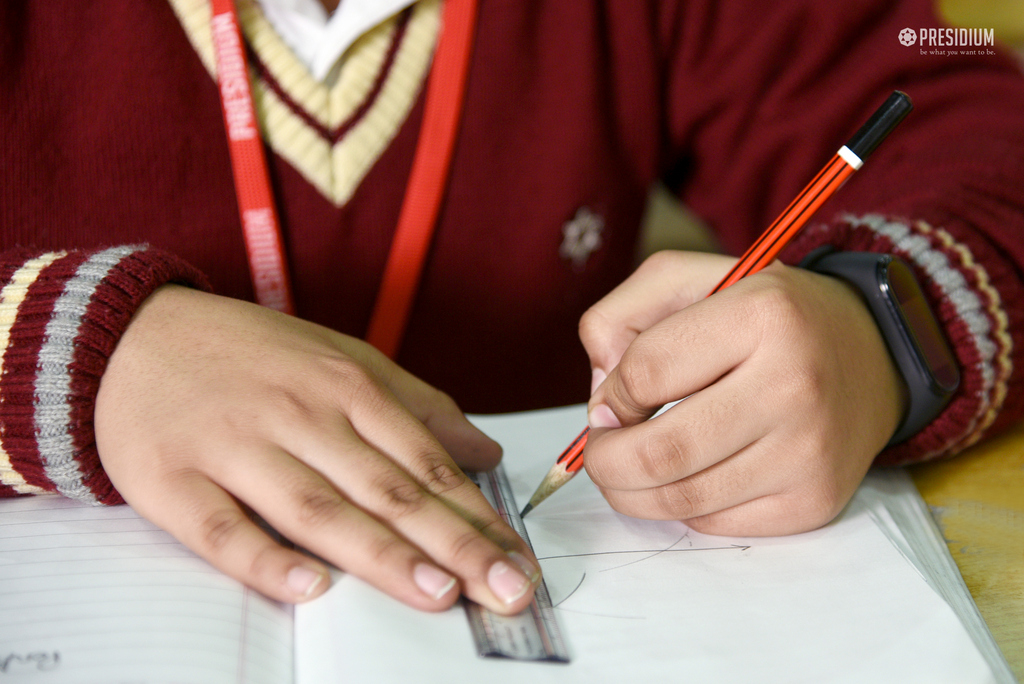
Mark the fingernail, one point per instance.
(529, 569)
(597, 376)
(602, 417)
(506, 582)
(302, 581)
(431, 581)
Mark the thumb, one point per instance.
(465, 443)
(664, 284)
(626, 397)
(468, 446)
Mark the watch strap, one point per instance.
(908, 326)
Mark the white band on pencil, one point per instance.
(850, 158)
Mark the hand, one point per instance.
(790, 391)
(210, 406)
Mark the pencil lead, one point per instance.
(526, 509)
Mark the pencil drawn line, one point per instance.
(571, 592)
(621, 617)
(657, 553)
(731, 547)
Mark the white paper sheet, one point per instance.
(891, 497)
(100, 595)
(654, 601)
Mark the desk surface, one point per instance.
(978, 500)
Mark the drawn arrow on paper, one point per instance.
(654, 552)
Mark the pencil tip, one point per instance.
(527, 509)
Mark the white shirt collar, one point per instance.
(318, 40)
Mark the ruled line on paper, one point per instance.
(105, 594)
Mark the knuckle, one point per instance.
(628, 503)
(593, 325)
(401, 497)
(679, 500)
(715, 523)
(318, 506)
(775, 304)
(498, 531)
(353, 381)
(664, 456)
(386, 551)
(220, 528)
(439, 475)
(345, 367)
(264, 561)
(465, 546)
(638, 378)
(291, 406)
(665, 261)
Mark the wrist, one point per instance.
(910, 330)
(66, 329)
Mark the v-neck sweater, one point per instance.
(115, 178)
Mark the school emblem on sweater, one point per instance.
(581, 236)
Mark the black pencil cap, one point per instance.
(881, 123)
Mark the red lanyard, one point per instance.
(427, 181)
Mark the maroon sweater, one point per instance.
(112, 135)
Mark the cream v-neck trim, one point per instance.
(320, 40)
(331, 133)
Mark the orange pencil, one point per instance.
(848, 159)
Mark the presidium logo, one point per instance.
(966, 40)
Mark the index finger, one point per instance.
(434, 409)
(665, 283)
(363, 423)
(676, 357)
(390, 429)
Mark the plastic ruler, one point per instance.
(534, 634)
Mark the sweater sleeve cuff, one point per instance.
(61, 316)
(970, 289)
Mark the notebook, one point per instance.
(101, 595)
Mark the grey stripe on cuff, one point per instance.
(53, 376)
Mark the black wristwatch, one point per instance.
(908, 325)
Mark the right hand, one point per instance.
(210, 406)
(791, 393)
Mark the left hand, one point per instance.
(791, 393)
(212, 407)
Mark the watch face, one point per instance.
(922, 327)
